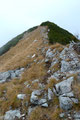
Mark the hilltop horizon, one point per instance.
(16, 34)
(16, 17)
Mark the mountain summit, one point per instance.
(40, 75)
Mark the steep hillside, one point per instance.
(58, 34)
(14, 41)
(39, 80)
(19, 55)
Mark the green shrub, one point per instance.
(10, 44)
(58, 35)
(32, 29)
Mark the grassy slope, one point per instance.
(58, 35)
(17, 56)
(14, 41)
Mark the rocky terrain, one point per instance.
(39, 80)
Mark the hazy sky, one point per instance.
(17, 16)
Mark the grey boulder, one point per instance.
(64, 86)
(50, 94)
(21, 96)
(35, 100)
(49, 54)
(4, 76)
(34, 96)
(65, 103)
(12, 115)
(77, 116)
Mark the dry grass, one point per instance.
(55, 68)
(68, 60)
(38, 114)
(8, 96)
(20, 56)
(36, 71)
(17, 56)
(45, 114)
(51, 83)
(55, 114)
(76, 88)
(55, 46)
(11, 89)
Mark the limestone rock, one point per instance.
(4, 76)
(61, 115)
(34, 96)
(31, 109)
(35, 100)
(45, 105)
(35, 81)
(65, 103)
(75, 100)
(50, 94)
(49, 54)
(65, 66)
(12, 115)
(64, 86)
(54, 61)
(70, 66)
(11, 74)
(21, 96)
(57, 75)
(41, 85)
(70, 94)
(77, 116)
(43, 102)
(33, 55)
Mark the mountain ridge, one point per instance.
(40, 80)
(56, 34)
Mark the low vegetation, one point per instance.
(58, 35)
(45, 114)
(11, 43)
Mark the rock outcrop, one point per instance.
(12, 115)
(11, 74)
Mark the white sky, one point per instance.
(16, 16)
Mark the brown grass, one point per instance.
(11, 89)
(45, 114)
(55, 68)
(51, 83)
(55, 114)
(17, 56)
(36, 71)
(55, 46)
(9, 97)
